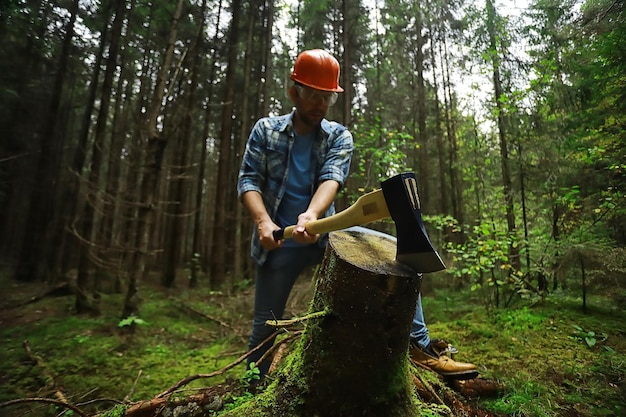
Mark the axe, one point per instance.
(398, 198)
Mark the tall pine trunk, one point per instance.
(90, 214)
(178, 219)
(155, 147)
(220, 237)
(35, 262)
(502, 133)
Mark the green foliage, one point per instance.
(232, 402)
(252, 374)
(589, 337)
(482, 260)
(523, 401)
(539, 353)
(379, 153)
(131, 321)
(117, 411)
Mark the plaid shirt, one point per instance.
(265, 165)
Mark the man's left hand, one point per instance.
(300, 234)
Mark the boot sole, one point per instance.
(460, 375)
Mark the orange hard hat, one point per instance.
(318, 69)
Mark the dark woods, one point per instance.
(123, 125)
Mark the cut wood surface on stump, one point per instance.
(353, 360)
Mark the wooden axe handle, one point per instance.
(368, 208)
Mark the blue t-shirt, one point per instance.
(298, 191)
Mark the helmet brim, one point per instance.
(338, 89)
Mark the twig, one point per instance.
(239, 360)
(418, 379)
(291, 322)
(281, 348)
(44, 400)
(206, 316)
(271, 350)
(132, 389)
(48, 377)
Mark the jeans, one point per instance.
(419, 331)
(273, 283)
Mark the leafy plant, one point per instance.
(81, 338)
(252, 374)
(131, 321)
(589, 337)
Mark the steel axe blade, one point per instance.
(403, 202)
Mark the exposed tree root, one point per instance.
(456, 393)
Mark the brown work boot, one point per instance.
(442, 364)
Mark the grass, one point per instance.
(552, 359)
(540, 353)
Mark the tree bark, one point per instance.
(155, 147)
(507, 182)
(36, 260)
(90, 216)
(218, 253)
(352, 361)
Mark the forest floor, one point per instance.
(550, 358)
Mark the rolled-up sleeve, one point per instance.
(336, 164)
(251, 173)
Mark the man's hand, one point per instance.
(300, 234)
(266, 237)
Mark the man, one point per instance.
(292, 169)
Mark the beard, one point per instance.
(312, 118)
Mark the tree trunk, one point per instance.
(352, 361)
(179, 187)
(155, 147)
(71, 193)
(218, 253)
(456, 185)
(90, 212)
(504, 152)
(438, 131)
(199, 237)
(35, 263)
(424, 170)
(241, 225)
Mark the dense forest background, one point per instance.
(123, 125)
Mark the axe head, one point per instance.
(414, 246)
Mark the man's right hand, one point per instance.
(266, 236)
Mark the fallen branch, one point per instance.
(291, 322)
(184, 306)
(191, 378)
(61, 289)
(44, 400)
(49, 379)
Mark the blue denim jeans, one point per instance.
(419, 331)
(273, 283)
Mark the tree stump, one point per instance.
(353, 360)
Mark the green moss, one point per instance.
(117, 411)
(546, 369)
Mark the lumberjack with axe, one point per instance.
(292, 169)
